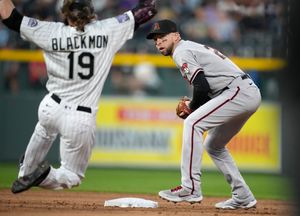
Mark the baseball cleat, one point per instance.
(179, 194)
(232, 204)
(32, 179)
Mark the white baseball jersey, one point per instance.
(193, 58)
(77, 65)
(78, 62)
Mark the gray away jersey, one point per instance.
(192, 58)
(79, 62)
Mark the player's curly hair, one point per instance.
(79, 12)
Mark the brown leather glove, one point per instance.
(182, 109)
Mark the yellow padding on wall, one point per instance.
(127, 59)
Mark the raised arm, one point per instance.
(143, 12)
(10, 16)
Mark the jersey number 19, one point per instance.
(87, 64)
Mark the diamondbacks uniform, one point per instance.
(193, 58)
(77, 64)
(234, 99)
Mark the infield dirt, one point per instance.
(70, 203)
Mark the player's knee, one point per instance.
(67, 178)
(212, 150)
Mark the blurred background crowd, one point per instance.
(243, 28)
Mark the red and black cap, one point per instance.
(162, 27)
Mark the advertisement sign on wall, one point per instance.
(147, 133)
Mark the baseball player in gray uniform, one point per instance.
(78, 54)
(224, 98)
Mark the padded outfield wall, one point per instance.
(144, 133)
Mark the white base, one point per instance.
(131, 203)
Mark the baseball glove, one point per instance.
(182, 109)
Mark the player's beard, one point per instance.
(168, 51)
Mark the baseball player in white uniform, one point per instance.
(78, 55)
(224, 98)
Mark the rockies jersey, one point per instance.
(78, 62)
(193, 58)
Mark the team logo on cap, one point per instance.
(185, 69)
(156, 26)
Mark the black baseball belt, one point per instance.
(245, 76)
(79, 108)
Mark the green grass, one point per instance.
(264, 186)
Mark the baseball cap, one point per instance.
(162, 27)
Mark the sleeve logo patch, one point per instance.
(185, 69)
(32, 22)
(123, 18)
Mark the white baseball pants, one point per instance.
(77, 137)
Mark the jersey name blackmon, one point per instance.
(78, 63)
(79, 42)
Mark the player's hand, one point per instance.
(182, 109)
(6, 8)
